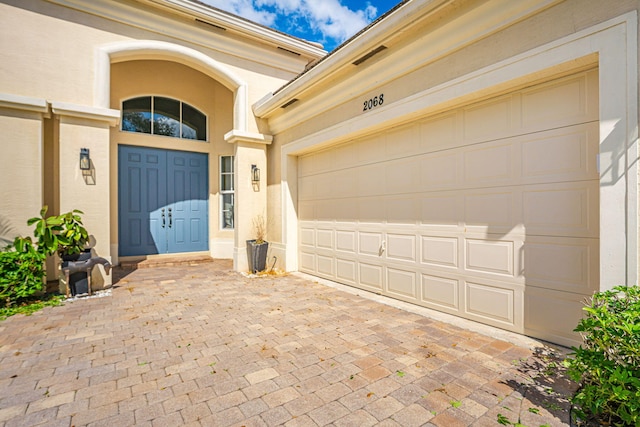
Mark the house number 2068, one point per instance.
(373, 102)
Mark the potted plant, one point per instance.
(63, 234)
(257, 248)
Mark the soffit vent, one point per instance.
(369, 55)
(209, 24)
(289, 51)
(291, 101)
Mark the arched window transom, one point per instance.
(157, 115)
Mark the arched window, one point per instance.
(163, 116)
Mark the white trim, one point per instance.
(25, 103)
(615, 43)
(152, 49)
(84, 112)
(221, 248)
(236, 135)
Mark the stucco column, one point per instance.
(250, 198)
(88, 191)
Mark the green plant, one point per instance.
(21, 272)
(30, 305)
(63, 234)
(22, 268)
(607, 364)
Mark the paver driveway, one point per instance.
(202, 345)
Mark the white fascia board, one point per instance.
(247, 28)
(112, 117)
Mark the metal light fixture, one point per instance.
(255, 174)
(85, 160)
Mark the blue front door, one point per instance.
(162, 201)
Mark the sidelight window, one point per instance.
(227, 192)
(157, 115)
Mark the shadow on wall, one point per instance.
(7, 232)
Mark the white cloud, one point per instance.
(321, 20)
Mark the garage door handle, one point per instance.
(383, 247)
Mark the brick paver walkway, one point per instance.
(202, 345)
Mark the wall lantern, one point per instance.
(255, 174)
(85, 160)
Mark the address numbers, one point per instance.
(373, 102)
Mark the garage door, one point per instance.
(489, 212)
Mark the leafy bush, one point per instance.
(63, 233)
(21, 272)
(607, 365)
(22, 269)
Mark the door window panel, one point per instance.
(166, 117)
(158, 115)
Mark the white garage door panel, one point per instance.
(439, 251)
(564, 264)
(440, 292)
(370, 276)
(574, 157)
(325, 265)
(324, 238)
(561, 102)
(401, 247)
(402, 283)
(491, 303)
(308, 236)
(307, 261)
(346, 270)
(490, 256)
(471, 212)
(346, 241)
(551, 315)
(491, 207)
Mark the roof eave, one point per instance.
(245, 27)
(360, 44)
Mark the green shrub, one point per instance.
(607, 364)
(63, 234)
(21, 272)
(22, 269)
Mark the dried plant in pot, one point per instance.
(257, 248)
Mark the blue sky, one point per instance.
(329, 22)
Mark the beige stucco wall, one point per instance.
(565, 18)
(63, 57)
(345, 96)
(52, 51)
(20, 171)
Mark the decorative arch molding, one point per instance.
(159, 50)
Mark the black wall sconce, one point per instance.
(255, 174)
(85, 160)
